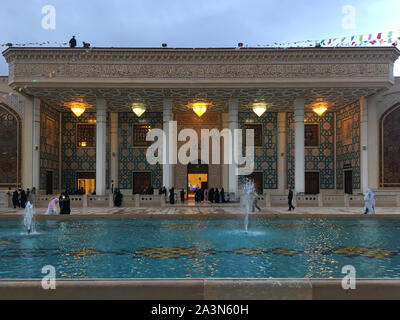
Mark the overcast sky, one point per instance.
(193, 23)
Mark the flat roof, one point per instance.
(395, 49)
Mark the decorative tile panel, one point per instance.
(75, 159)
(348, 153)
(319, 158)
(134, 158)
(265, 157)
(49, 144)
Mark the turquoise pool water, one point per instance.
(166, 248)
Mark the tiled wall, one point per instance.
(75, 159)
(316, 159)
(49, 148)
(134, 158)
(348, 155)
(265, 157)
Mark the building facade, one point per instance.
(352, 146)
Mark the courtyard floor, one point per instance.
(215, 211)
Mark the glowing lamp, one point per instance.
(78, 109)
(259, 108)
(138, 108)
(199, 108)
(320, 108)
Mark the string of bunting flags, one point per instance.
(371, 39)
(26, 44)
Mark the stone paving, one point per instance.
(214, 210)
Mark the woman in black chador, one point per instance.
(223, 195)
(15, 199)
(171, 196)
(216, 195)
(118, 199)
(24, 199)
(65, 203)
(211, 195)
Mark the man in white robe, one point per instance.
(369, 198)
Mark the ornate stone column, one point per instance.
(299, 184)
(364, 144)
(167, 167)
(233, 124)
(101, 127)
(281, 141)
(114, 148)
(36, 144)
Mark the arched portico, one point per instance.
(389, 148)
(10, 141)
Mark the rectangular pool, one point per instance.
(201, 248)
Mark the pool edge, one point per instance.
(201, 289)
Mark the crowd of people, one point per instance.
(20, 197)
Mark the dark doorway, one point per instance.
(312, 182)
(49, 182)
(141, 180)
(257, 178)
(348, 182)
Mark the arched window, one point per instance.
(10, 148)
(389, 146)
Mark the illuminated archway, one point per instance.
(389, 148)
(10, 147)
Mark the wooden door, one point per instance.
(312, 182)
(49, 182)
(348, 182)
(141, 180)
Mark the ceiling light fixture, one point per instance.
(138, 108)
(78, 108)
(320, 108)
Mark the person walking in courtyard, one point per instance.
(369, 198)
(255, 200)
(290, 199)
(171, 196)
(183, 196)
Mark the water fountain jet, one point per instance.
(29, 219)
(247, 200)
